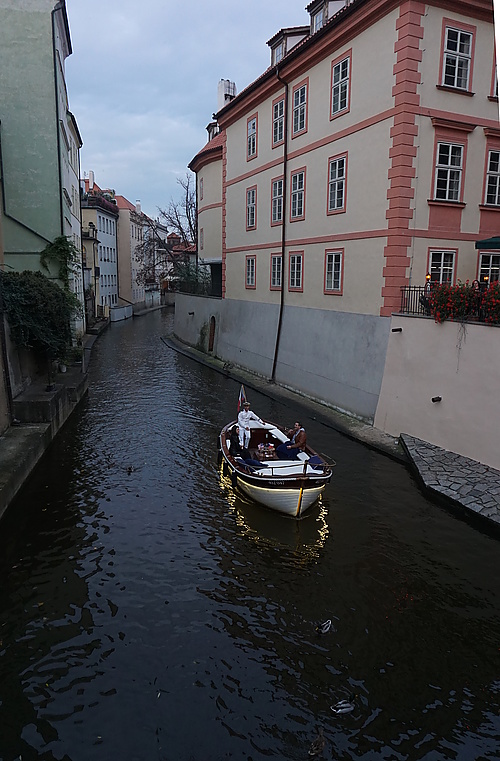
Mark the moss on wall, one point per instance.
(202, 344)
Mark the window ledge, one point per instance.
(458, 90)
(493, 98)
(451, 204)
(489, 207)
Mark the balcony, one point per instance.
(462, 302)
(93, 201)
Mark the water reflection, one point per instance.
(305, 536)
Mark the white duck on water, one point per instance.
(344, 706)
(324, 627)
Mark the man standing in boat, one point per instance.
(297, 443)
(244, 418)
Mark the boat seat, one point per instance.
(246, 466)
(302, 456)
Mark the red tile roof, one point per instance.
(124, 203)
(208, 151)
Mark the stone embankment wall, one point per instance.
(456, 365)
(357, 364)
(40, 412)
(332, 357)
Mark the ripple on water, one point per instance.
(148, 611)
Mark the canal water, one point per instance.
(147, 612)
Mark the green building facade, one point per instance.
(36, 206)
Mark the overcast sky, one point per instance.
(142, 81)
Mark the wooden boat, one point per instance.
(287, 486)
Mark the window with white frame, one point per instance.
(250, 272)
(276, 271)
(277, 202)
(493, 179)
(333, 271)
(278, 121)
(442, 265)
(340, 86)
(448, 172)
(278, 52)
(457, 58)
(298, 191)
(336, 184)
(318, 20)
(295, 275)
(299, 109)
(252, 137)
(251, 208)
(489, 268)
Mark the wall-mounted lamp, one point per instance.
(396, 330)
(191, 313)
(436, 399)
(428, 276)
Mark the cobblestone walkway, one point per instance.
(467, 482)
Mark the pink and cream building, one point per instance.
(366, 156)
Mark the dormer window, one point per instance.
(285, 40)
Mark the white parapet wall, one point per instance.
(457, 365)
(332, 357)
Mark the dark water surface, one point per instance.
(147, 612)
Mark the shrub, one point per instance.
(491, 304)
(455, 302)
(39, 312)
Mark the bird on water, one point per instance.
(318, 743)
(344, 706)
(324, 627)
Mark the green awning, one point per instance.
(489, 244)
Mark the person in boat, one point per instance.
(296, 443)
(234, 444)
(239, 452)
(244, 418)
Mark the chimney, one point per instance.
(226, 91)
(91, 180)
(138, 207)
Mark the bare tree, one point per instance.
(153, 254)
(180, 216)
(158, 260)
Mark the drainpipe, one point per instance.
(5, 360)
(283, 226)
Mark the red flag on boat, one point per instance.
(242, 397)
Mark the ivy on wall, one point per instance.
(38, 312)
(64, 254)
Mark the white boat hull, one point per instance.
(292, 502)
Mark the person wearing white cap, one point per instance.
(244, 418)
